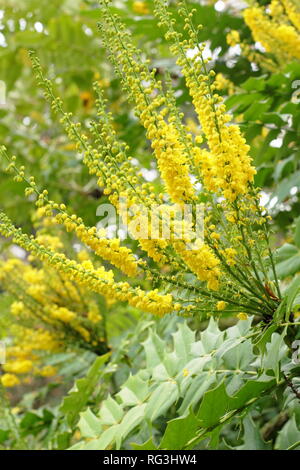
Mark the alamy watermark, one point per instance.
(296, 93)
(296, 352)
(2, 352)
(2, 93)
(156, 221)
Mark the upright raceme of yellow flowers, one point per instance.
(172, 162)
(229, 163)
(151, 106)
(278, 31)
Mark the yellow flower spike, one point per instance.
(227, 167)
(293, 12)
(202, 262)
(97, 280)
(172, 162)
(215, 236)
(276, 36)
(168, 139)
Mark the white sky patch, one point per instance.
(178, 93)
(145, 83)
(190, 53)
(231, 55)
(207, 53)
(38, 26)
(2, 93)
(18, 252)
(254, 67)
(2, 40)
(26, 121)
(259, 47)
(216, 53)
(22, 24)
(220, 6)
(236, 5)
(149, 175)
(87, 30)
(235, 50)
(294, 190)
(273, 202)
(77, 247)
(264, 198)
(276, 143)
(11, 25)
(288, 118)
(122, 234)
(111, 231)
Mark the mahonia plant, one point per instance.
(159, 378)
(231, 270)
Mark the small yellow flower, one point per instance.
(242, 316)
(9, 380)
(63, 314)
(15, 410)
(141, 8)
(221, 305)
(233, 38)
(215, 236)
(48, 371)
